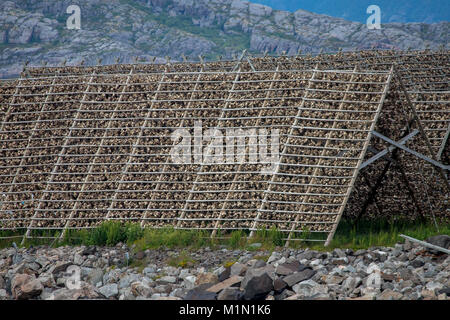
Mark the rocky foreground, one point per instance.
(404, 272)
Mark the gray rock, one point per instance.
(299, 276)
(417, 263)
(289, 268)
(256, 284)
(230, 293)
(3, 294)
(109, 290)
(127, 280)
(434, 286)
(139, 288)
(339, 253)
(259, 264)
(200, 293)
(309, 288)
(225, 274)
(273, 257)
(189, 282)
(279, 285)
(440, 241)
(238, 269)
(351, 283)
(95, 276)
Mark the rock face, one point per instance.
(405, 272)
(36, 31)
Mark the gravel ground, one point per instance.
(406, 272)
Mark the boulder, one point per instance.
(299, 276)
(279, 285)
(24, 286)
(256, 284)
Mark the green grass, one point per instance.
(363, 235)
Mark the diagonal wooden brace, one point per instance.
(389, 149)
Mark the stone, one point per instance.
(273, 257)
(207, 277)
(289, 268)
(225, 284)
(78, 259)
(339, 253)
(91, 250)
(47, 280)
(299, 276)
(256, 284)
(434, 286)
(333, 279)
(279, 285)
(440, 241)
(140, 289)
(59, 267)
(24, 286)
(351, 283)
(428, 294)
(189, 282)
(200, 293)
(309, 288)
(259, 264)
(230, 293)
(442, 296)
(2, 283)
(149, 271)
(109, 290)
(95, 276)
(3, 294)
(61, 294)
(445, 291)
(167, 279)
(126, 281)
(387, 277)
(389, 295)
(225, 274)
(339, 261)
(238, 269)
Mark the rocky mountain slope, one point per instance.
(35, 30)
